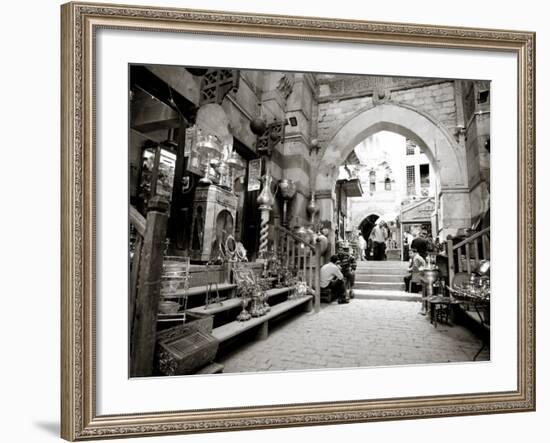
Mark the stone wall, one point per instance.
(436, 100)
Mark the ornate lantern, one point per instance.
(312, 208)
(288, 191)
(208, 145)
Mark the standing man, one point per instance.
(347, 264)
(361, 245)
(378, 237)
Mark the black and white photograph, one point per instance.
(284, 221)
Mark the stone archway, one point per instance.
(446, 156)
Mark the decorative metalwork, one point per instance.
(209, 146)
(217, 84)
(285, 85)
(265, 201)
(274, 133)
(287, 188)
(312, 208)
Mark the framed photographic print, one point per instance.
(282, 221)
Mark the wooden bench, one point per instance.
(234, 328)
(199, 290)
(216, 308)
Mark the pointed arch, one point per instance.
(438, 145)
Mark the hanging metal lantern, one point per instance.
(287, 189)
(258, 125)
(235, 162)
(312, 208)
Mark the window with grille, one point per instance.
(387, 184)
(410, 147)
(425, 176)
(411, 182)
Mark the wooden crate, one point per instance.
(186, 348)
(186, 353)
(194, 321)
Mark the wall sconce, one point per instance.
(292, 121)
(459, 131)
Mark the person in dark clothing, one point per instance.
(420, 244)
(347, 264)
(378, 236)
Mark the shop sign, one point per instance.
(254, 174)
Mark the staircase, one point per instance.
(380, 275)
(382, 280)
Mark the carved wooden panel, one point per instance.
(217, 83)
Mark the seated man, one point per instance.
(332, 278)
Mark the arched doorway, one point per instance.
(366, 228)
(367, 224)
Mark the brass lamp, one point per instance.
(208, 145)
(288, 191)
(236, 165)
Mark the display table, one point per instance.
(440, 308)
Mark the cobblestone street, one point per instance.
(360, 334)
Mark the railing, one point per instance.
(469, 253)
(145, 277)
(302, 256)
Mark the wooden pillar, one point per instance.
(143, 329)
(134, 275)
(308, 307)
(263, 331)
(486, 248)
(451, 261)
(468, 264)
(317, 276)
(265, 204)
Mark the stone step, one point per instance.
(363, 294)
(380, 286)
(378, 271)
(393, 254)
(383, 278)
(382, 264)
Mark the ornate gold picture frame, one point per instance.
(80, 23)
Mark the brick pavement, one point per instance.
(360, 334)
